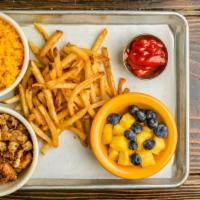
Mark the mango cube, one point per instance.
(119, 143)
(124, 158)
(107, 134)
(147, 158)
(127, 120)
(113, 154)
(159, 145)
(118, 130)
(145, 134)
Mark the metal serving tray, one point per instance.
(74, 167)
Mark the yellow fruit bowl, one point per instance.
(120, 104)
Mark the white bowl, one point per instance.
(26, 53)
(11, 187)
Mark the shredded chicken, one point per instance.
(7, 172)
(12, 147)
(27, 146)
(15, 148)
(3, 146)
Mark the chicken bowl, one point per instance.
(18, 151)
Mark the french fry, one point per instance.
(45, 128)
(66, 75)
(68, 59)
(38, 117)
(40, 133)
(11, 100)
(108, 71)
(41, 30)
(31, 117)
(39, 85)
(93, 93)
(95, 68)
(45, 148)
(23, 100)
(79, 87)
(98, 104)
(63, 114)
(121, 83)
(36, 72)
(52, 127)
(57, 62)
(98, 42)
(41, 98)
(63, 106)
(79, 125)
(50, 105)
(29, 95)
(79, 133)
(73, 119)
(85, 98)
(103, 88)
(53, 74)
(26, 76)
(58, 98)
(85, 57)
(64, 86)
(34, 48)
(36, 102)
(50, 43)
(88, 51)
(87, 125)
(126, 90)
(67, 93)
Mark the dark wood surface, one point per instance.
(191, 9)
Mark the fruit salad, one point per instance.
(135, 137)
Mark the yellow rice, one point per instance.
(11, 54)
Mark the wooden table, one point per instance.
(191, 9)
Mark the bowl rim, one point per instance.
(117, 169)
(24, 40)
(34, 162)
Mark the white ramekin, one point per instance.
(26, 53)
(11, 187)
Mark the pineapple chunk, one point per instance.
(144, 135)
(119, 143)
(107, 134)
(147, 159)
(118, 130)
(127, 120)
(113, 154)
(124, 158)
(159, 145)
(130, 152)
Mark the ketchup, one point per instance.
(146, 56)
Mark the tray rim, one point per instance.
(187, 79)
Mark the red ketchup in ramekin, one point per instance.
(146, 56)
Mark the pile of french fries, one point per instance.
(63, 89)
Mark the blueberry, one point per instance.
(133, 109)
(149, 144)
(136, 159)
(133, 145)
(136, 127)
(161, 131)
(129, 134)
(150, 114)
(152, 123)
(140, 116)
(114, 118)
